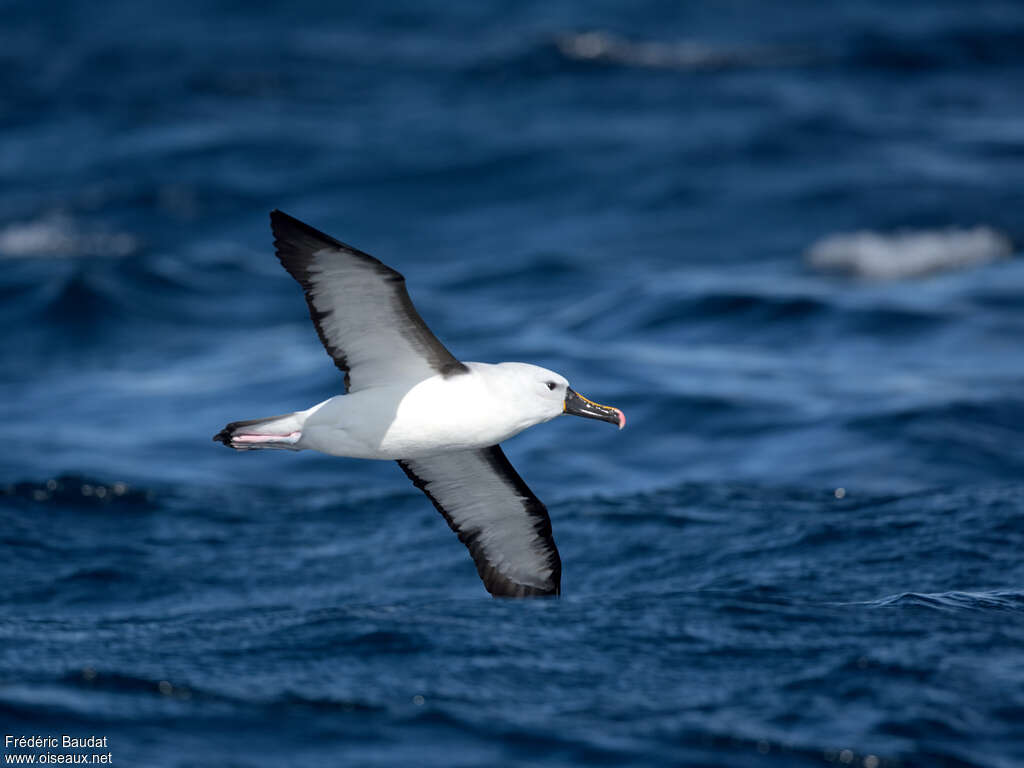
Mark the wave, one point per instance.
(59, 236)
(947, 601)
(77, 489)
(864, 49)
(100, 680)
(756, 307)
(882, 256)
(597, 46)
(957, 45)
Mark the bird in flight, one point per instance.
(408, 399)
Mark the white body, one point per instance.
(473, 410)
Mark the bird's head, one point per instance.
(546, 394)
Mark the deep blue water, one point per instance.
(621, 192)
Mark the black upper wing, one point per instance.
(361, 309)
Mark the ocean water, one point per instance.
(805, 549)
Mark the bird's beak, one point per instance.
(578, 405)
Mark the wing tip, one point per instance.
(505, 589)
(289, 230)
(296, 243)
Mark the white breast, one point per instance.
(433, 416)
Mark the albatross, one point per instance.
(408, 399)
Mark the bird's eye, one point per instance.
(551, 385)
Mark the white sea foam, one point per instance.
(57, 236)
(599, 46)
(908, 254)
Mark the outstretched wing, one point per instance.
(495, 514)
(360, 308)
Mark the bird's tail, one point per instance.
(282, 432)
